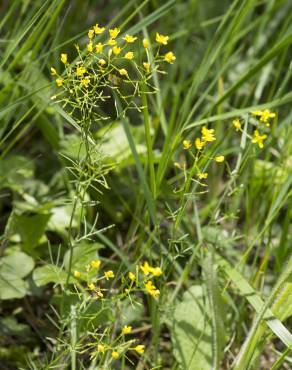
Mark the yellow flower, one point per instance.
(146, 268)
(160, 39)
(90, 34)
(258, 139)
(123, 72)
(126, 330)
(59, 81)
(77, 274)
(140, 348)
(116, 50)
(169, 57)
(129, 38)
(64, 58)
(266, 114)
(146, 66)
(111, 42)
(99, 293)
(114, 32)
(95, 264)
(207, 134)
(53, 71)
(132, 276)
(109, 274)
(85, 82)
(156, 271)
(102, 62)
(115, 354)
(256, 113)
(91, 286)
(151, 289)
(202, 175)
(99, 47)
(219, 158)
(187, 144)
(236, 123)
(80, 70)
(129, 55)
(146, 43)
(98, 30)
(100, 348)
(90, 47)
(199, 144)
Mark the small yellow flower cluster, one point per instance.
(207, 136)
(90, 276)
(103, 61)
(263, 116)
(119, 346)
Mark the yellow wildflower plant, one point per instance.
(145, 43)
(111, 42)
(80, 71)
(258, 139)
(95, 264)
(114, 32)
(131, 276)
(64, 58)
(116, 50)
(236, 123)
(99, 48)
(90, 34)
(146, 65)
(219, 158)
(98, 30)
(115, 354)
(129, 55)
(208, 134)
(101, 348)
(199, 144)
(77, 274)
(59, 82)
(187, 144)
(140, 348)
(161, 39)
(53, 71)
(129, 39)
(151, 289)
(109, 274)
(169, 57)
(202, 175)
(126, 330)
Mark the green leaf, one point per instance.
(49, 274)
(12, 269)
(191, 331)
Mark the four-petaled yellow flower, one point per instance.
(187, 144)
(161, 39)
(116, 50)
(114, 32)
(236, 123)
(98, 30)
(132, 276)
(85, 81)
(146, 268)
(109, 274)
(115, 354)
(219, 158)
(129, 55)
(169, 57)
(151, 289)
(126, 330)
(80, 70)
(146, 43)
(266, 114)
(100, 348)
(59, 81)
(146, 65)
(123, 72)
(64, 58)
(258, 139)
(95, 264)
(53, 71)
(77, 274)
(202, 175)
(111, 42)
(140, 348)
(129, 38)
(91, 286)
(207, 134)
(99, 47)
(199, 144)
